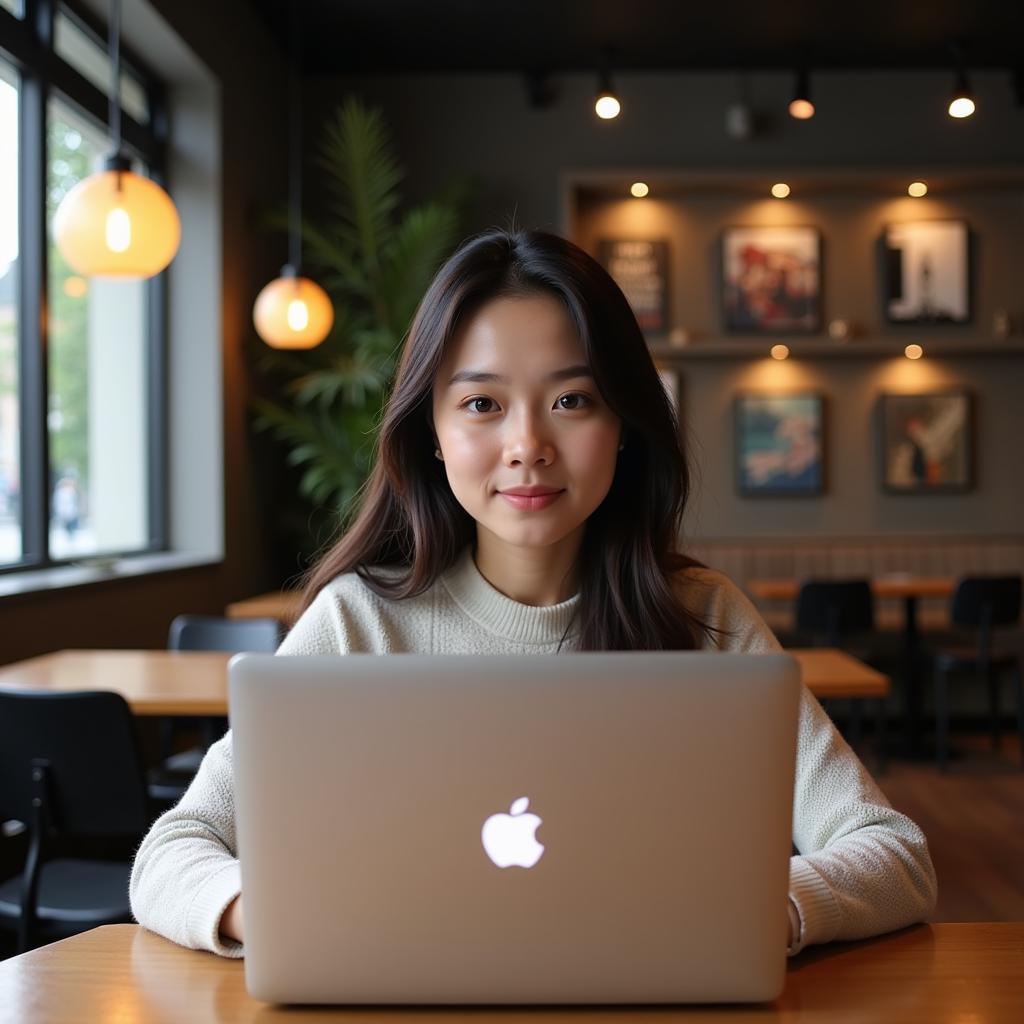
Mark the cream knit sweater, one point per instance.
(862, 868)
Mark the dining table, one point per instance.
(196, 682)
(910, 588)
(949, 973)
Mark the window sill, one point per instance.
(62, 577)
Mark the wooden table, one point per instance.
(908, 588)
(153, 682)
(929, 974)
(283, 605)
(196, 683)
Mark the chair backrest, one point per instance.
(87, 745)
(835, 608)
(210, 633)
(985, 601)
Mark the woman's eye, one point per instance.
(573, 401)
(476, 403)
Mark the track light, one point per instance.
(801, 106)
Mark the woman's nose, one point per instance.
(527, 444)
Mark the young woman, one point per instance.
(527, 497)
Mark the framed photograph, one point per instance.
(927, 443)
(640, 269)
(771, 280)
(780, 449)
(926, 272)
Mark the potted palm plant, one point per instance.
(375, 260)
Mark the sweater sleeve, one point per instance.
(861, 867)
(186, 873)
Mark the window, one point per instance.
(96, 413)
(10, 512)
(82, 471)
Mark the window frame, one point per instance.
(28, 43)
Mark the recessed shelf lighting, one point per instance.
(913, 351)
(780, 352)
(917, 189)
(780, 190)
(639, 189)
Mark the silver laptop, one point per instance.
(575, 828)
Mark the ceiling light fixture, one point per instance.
(639, 189)
(116, 223)
(917, 189)
(293, 311)
(801, 106)
(606, 103)
(780, 190)
(962, 103)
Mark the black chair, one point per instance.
(980, 603)
(834, 613)
(167, 784)
(71, 773)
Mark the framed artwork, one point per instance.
(926, 272)
(771, 280)
(640, 269)
(780, 449)
(927, 443)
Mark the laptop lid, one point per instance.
(584, 828)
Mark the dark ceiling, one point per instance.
(358, 36)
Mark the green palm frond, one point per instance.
(364, 177)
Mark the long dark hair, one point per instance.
(408, 519)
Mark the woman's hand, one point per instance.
(231, 926)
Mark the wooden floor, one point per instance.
(973, 817)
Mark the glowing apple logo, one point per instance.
(510, 838)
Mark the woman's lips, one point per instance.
(531, 502)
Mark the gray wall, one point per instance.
(448, 125)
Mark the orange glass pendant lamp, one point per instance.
(293, 311)
(116, 223)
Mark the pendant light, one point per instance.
(293, 311)
(801, 106)
(116, 223)
(961, 103)
(606, 103)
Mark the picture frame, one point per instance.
(771, 279)
(640, 267)
(926, 272)
(780, 444)
(927, 442)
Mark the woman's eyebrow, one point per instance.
(482, 377)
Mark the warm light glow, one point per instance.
(639, 189)
(118, 230)
(293, 312)
(75, 287)
(780, 190)
(913, 351)
(917, 189)
(607, 106)
(780, 352)
(117, 224)
(962, 106)
(298, 315)
(801, 109)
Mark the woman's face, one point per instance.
(515, 407)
